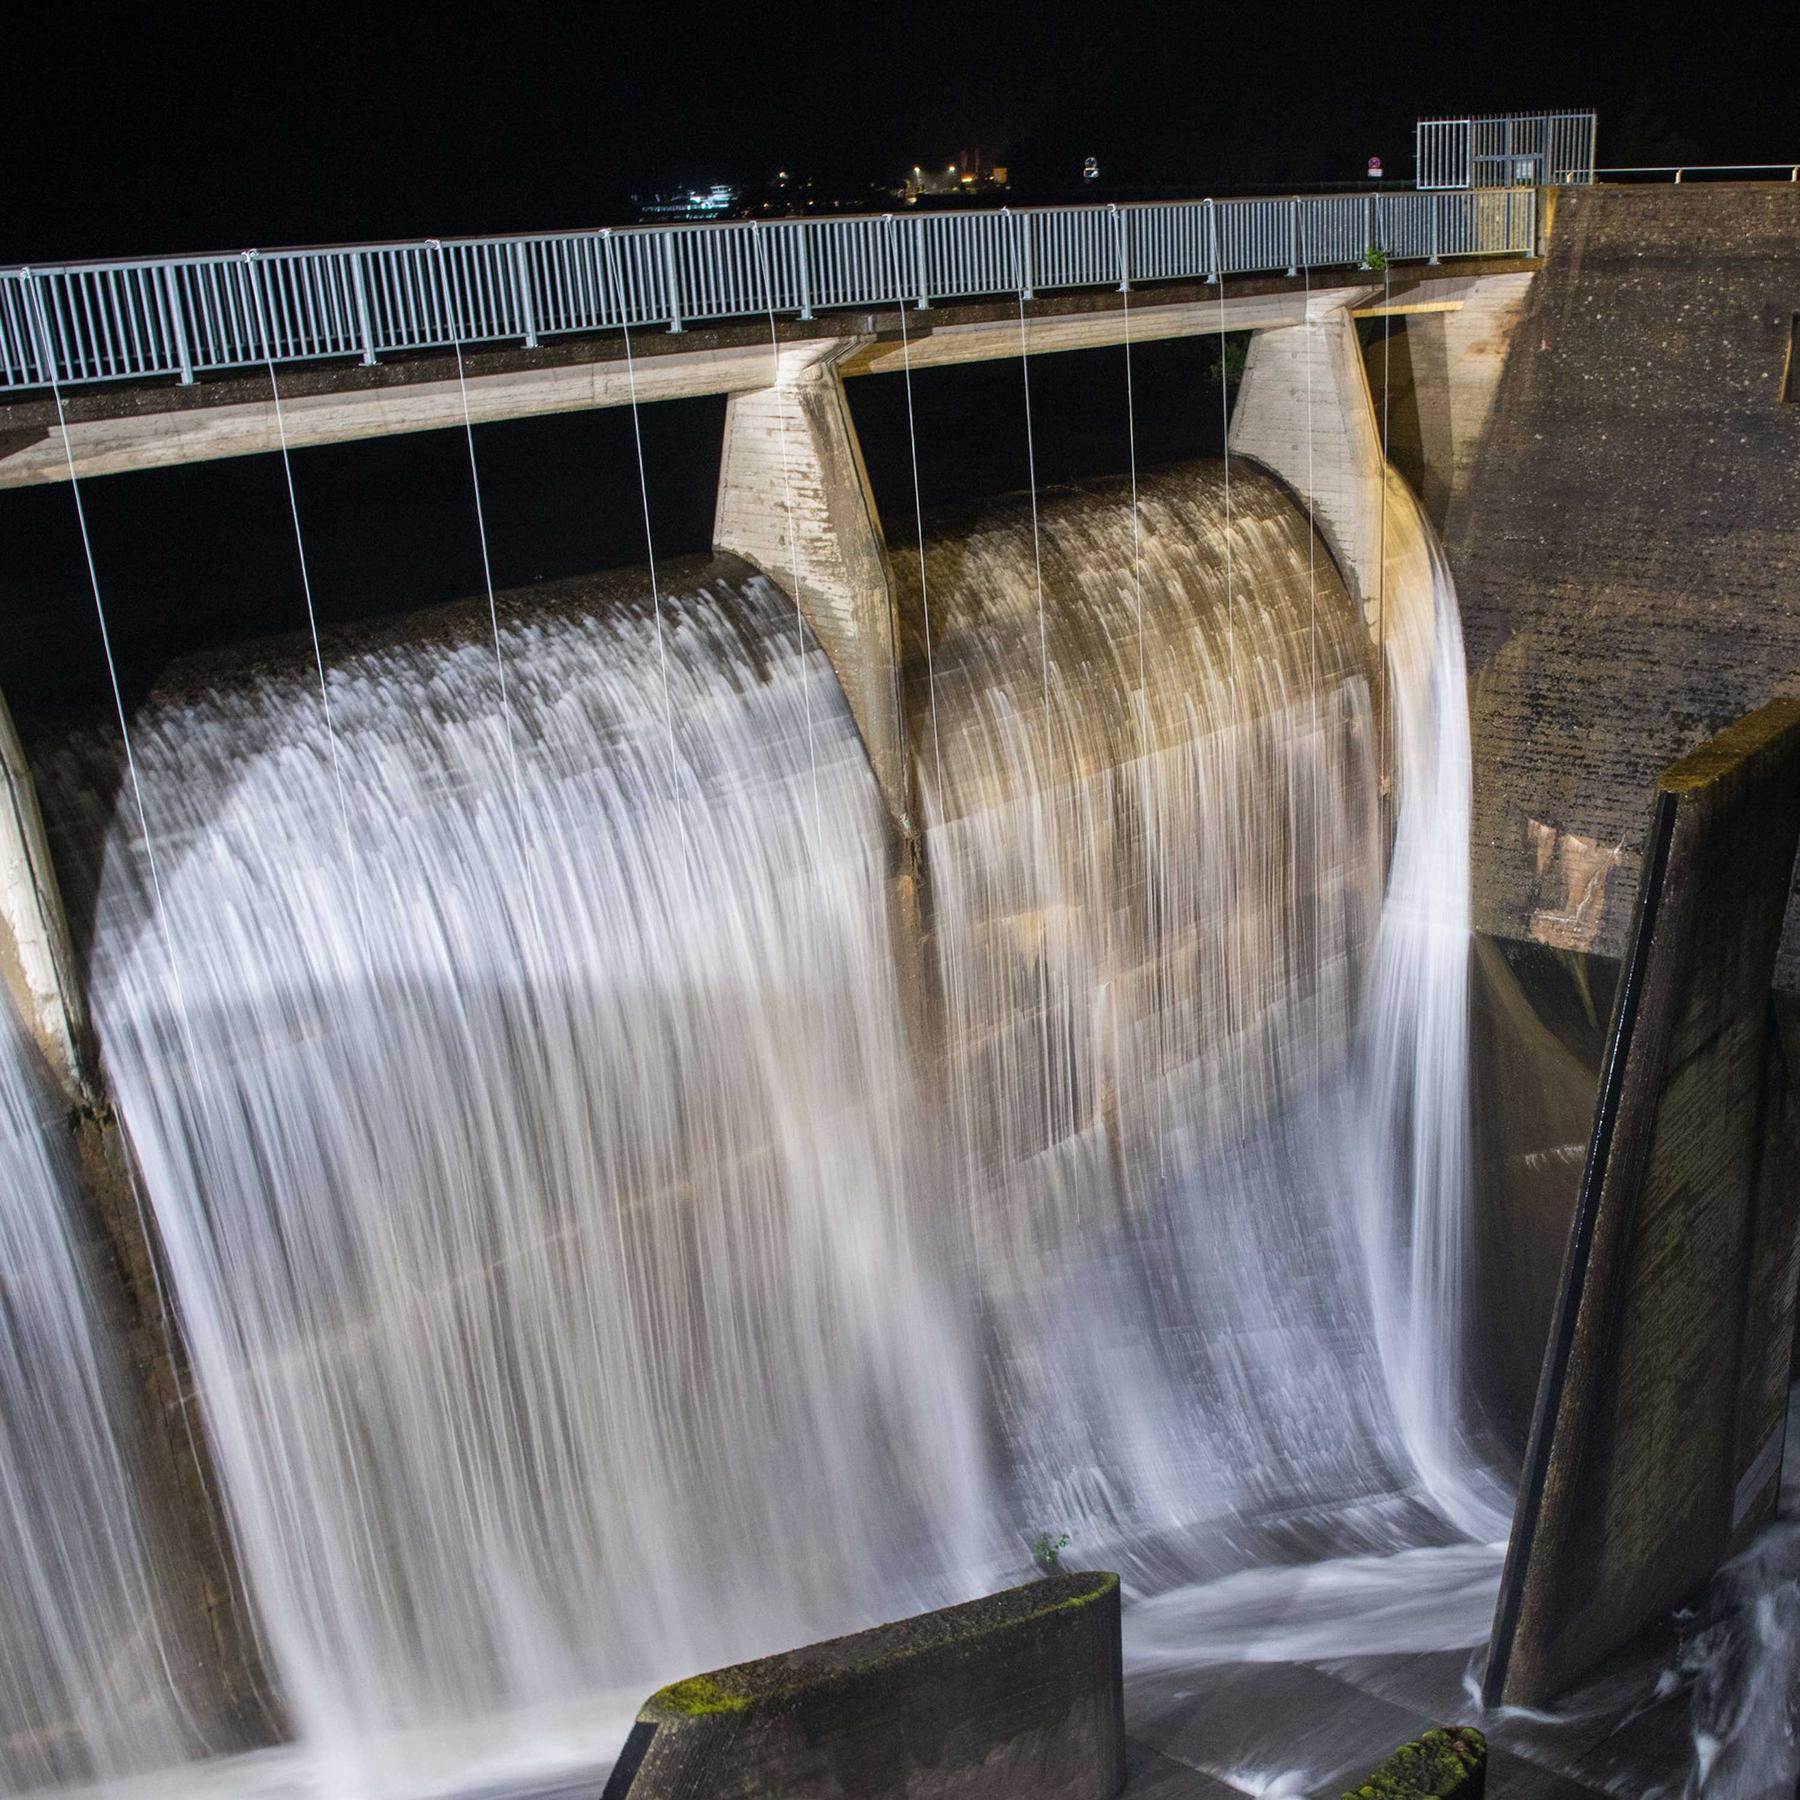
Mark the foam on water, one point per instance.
(85, 1686)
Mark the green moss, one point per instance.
(699, 1694)
(1442, 1765)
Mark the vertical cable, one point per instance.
(1047, 785)
(662, 653)
(1387, 327)
(1152, 912)
(159, 908)
(508, 724)
(912, 439)
(253, 268)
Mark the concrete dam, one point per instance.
(622, 1125)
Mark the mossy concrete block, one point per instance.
(1442, 1765)
(1017, 1696)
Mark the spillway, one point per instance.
(626, 1217)
(87, 1691)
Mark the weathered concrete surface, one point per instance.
(794, 501)
(1626, 543)
(1443, 369)
(37, 959)
(1657, 1441)
(1017, 1696)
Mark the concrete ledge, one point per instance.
(1017, 1696)
(1441, 1765)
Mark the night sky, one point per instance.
(139, 128)
(156, 129)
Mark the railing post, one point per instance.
(802, 233)
(1437, 214)
(178, 325)
(1212, 242)
(360, 287)
(252, 266)
(527, 312)
(1022, 224)
(1293, 237)
(919, 253)
(1123, 227)
(671, 283)
(39, 327)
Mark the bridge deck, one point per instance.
(151, 423)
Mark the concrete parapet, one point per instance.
(1658, 1435)
(1017, 1696)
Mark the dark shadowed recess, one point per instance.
(201, 557)
(968, 422)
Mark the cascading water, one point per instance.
(576, 1297)
(534, 1168)
(86, 1691)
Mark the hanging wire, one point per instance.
(1312, 625)
(787, 492)
(1387, 328)
(1230, 573)
(508, 722)
(253, 274)
(159, 907)
(1152, 912)
(609, 255)
(1047, 787)
(912, 438)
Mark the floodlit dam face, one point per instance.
(625, 1211)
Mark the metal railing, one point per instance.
(195, 315)
(1498, 150)
(1785, 171)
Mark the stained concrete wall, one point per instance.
(1018, 1696)
(1658, 1437)
(1625, 538)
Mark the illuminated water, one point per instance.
(85, 1688)
(623, 1222)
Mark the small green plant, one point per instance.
(1374, 257)
(1045, 1550)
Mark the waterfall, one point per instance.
(534, 1168)
(85, 1685)
(620, 1226)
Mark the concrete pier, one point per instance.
(1658, 1438)
(794, 501)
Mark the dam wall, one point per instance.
(1625, 536)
